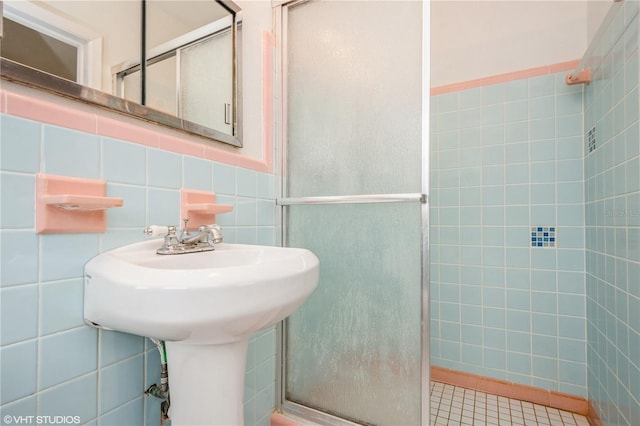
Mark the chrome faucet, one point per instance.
(206, 234)
(204, 239)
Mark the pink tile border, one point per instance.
(280, 420)
(217, 154)
(180, 146)
(3, 95)
(268, 69)
(126, 131)
(48, 112)
(593, 417)
(505, 78)
(51, 112)
(562, 401)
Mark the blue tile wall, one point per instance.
(51, 362)
(58, 142)
(612, 197)
(567, 317)
(507, 163)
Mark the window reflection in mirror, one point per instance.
(45, 53)
(101, 32)
(190, 65)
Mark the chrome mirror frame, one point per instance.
(27, 76)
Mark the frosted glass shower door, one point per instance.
(353, 94)
(353, 349)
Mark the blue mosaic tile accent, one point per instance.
(543, 236)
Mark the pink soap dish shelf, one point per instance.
(208, 208)
(82, 202)
(68, 205)
(200, 207)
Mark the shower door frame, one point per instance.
(280, 8)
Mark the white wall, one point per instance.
(481, 38)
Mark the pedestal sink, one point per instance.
(204, 306)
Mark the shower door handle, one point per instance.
(354, 199)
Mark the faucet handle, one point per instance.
(156, 230)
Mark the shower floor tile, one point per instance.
(453, 406)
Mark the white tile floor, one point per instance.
(452, 405)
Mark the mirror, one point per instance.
(173, 62)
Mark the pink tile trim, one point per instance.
(562, 401)
(3, 95)
(126, 131)
(180, 146)
(280, 420)
(505, 78)
(253, 164)
(221, 156)
(48, 112)
(268, 50)
(593, 417)
(52, 112)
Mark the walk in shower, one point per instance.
(354, 178)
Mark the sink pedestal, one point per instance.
(204, 306)
(206, 383)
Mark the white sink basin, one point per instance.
(210, 297)
(204, 305)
